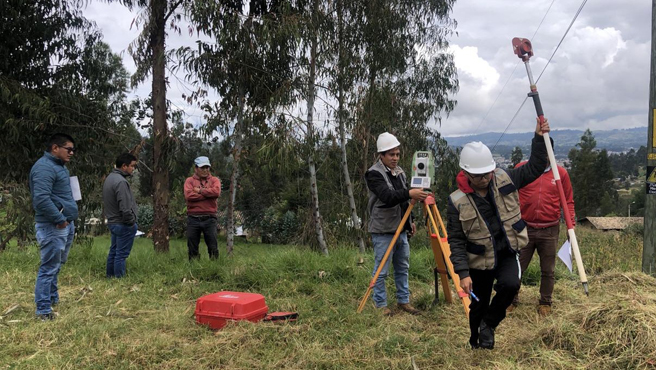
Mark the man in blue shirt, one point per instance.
(55, 213)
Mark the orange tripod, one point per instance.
(441, 253)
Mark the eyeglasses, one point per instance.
(480, 175)
(68, 149)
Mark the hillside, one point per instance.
(564, 140)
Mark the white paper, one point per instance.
(565, 254)
(75, 187)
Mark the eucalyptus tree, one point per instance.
(347, 73)
(410, 76)
(149, 54)
(248, 63)
(58, 76)
(316, 19)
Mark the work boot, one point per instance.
(409, 309)
(46, 316)
(544, 310)
(486, 336)
(385, 311)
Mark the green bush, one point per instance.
(145, 217)
(279, 227)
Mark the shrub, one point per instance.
(145, 217)
(279, 227)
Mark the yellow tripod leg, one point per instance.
(439, 257)
(387, 253)
(446, 251)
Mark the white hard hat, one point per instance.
(476, 158)
(386, 141)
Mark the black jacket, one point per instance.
(377, 184)
(520, 177)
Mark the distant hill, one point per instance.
(611, 140)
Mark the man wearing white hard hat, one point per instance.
(388, 201)
(486, 231)
(201, 192)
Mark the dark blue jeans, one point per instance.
(206, 225)
(54, 245)
(400, 257)
(122, 240)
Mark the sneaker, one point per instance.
(385, 311)
(409, 309)
(486, 336)
(544, 310)
(46, 316)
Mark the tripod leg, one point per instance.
(387, 253)
(439, 256)
(437, 289)
(446, 252)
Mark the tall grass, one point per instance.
(145, 320)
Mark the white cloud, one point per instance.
(598, 79)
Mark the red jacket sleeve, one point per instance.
(569, 194)
(189, 192)
(214, 188)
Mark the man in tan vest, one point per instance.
(486, 231)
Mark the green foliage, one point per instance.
(516, 156)
(58, 76)
(16, 219)
(628, 164)
(591, 174)
(145, 217)
(278, 224)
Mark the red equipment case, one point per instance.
(216, 309)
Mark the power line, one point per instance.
(514, 69)
(545, 67)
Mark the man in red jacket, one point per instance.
(201, 192)
(540, 207)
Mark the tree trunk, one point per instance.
(316, 215)
(160, 130)
(366, 132)
(239, 127)
(342, 130)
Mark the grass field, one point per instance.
(146, 320)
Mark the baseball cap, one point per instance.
(202, 161)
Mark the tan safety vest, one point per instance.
(506, 199)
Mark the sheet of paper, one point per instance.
(565, 254)
(75, 187)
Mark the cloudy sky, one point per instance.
(598, 79)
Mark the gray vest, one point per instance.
(383, 219)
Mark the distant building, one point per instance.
(610, 223)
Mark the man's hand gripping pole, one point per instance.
(524, 50)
